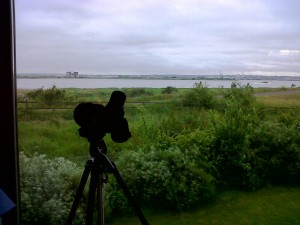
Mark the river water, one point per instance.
(27, 83)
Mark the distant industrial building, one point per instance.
(72, 74)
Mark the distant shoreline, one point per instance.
(163, 77)
(29, 83)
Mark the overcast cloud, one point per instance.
(158, 36)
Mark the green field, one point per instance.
(245, 148)
(269, 206)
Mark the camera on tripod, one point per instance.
(95, 120)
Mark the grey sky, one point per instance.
(158, 36)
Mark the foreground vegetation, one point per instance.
(189, 147)
(269, 206)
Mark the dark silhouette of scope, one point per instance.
(95, 120)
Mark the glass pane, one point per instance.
(212, 104)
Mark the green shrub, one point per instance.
(36, 93)
(164, 178)
(49, 96)
(249, 152)
(47, 189)
(199, 96)
(169, 90)
(53, 95)
(277, 151)
(241, 94)
(233, 129)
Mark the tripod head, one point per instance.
(95, 120)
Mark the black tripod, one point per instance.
(98, 166)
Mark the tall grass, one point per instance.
(53, 132)
(280, 100)
(54, 138)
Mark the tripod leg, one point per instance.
(100, 198)
(79, 192)
(129, 195)
(91, 197)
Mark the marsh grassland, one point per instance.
(196, 156)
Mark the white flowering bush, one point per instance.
(48, 187)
